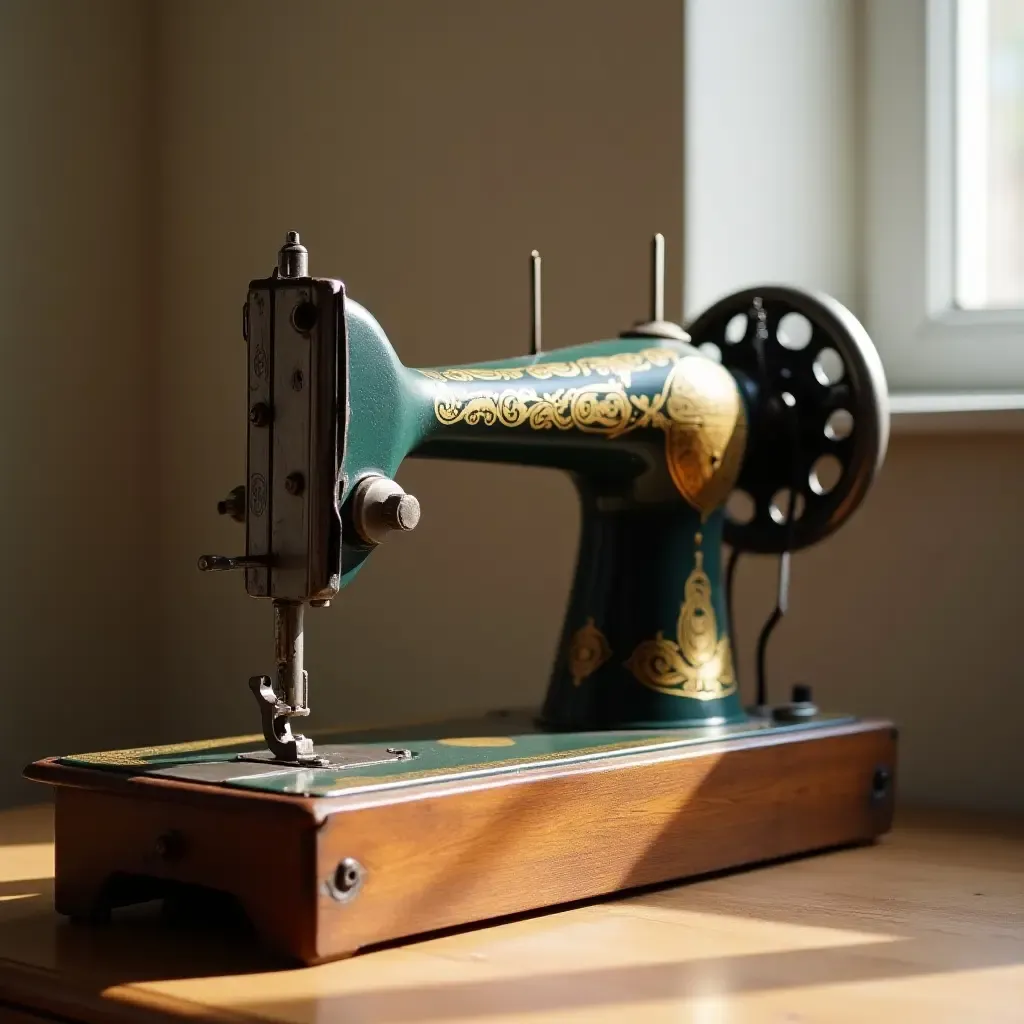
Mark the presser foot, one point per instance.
(286, 747)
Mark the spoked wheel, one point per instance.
(819, 413)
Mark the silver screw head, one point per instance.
(347, 880)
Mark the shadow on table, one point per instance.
(923, 927)
(937, 906)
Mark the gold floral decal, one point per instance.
(600, 408)
(698, 408)
(141, 756)
(698, 663)
(588, 651)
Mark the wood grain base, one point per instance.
(449, 853)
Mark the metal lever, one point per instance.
(221, 563)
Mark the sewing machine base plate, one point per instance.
(456, 823)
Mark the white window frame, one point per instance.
(960, 359)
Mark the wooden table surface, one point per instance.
(925, 927)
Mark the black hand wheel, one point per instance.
(819, 413)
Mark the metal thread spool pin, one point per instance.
(658, 279)
(535, 332)
(657, 326)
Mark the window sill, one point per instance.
(950, 413)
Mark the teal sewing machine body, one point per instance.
(653, 433)
(656, 432)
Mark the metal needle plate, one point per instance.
(261, 762)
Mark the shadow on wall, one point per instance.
(905, 613)
(439, 145)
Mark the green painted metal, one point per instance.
(639, 538)
(445, 751)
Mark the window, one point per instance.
(944, 193)
(989, 132)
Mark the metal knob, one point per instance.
(801, 706)
(293, 257)
(400, 512)
(379, 506)
(233, 505)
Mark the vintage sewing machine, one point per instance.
(761, 426)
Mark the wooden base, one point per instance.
(321, 878)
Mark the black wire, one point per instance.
(782, 594)
(730, 574)
(762, 655)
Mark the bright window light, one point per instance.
(990, 154)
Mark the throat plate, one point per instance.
(258, 763)
(339, 755)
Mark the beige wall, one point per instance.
(76, 381)
(912, 611)
(422, 150)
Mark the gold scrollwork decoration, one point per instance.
(697, 408)
(588, 651)
(698, 663)
(601, 408)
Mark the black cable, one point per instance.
(781, 600)
(730, 575)
(762, 643)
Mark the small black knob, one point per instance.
(800, 708)
(294, 483)
(802, 694)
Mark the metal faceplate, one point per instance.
(297, 413)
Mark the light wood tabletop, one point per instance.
(926, 926)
